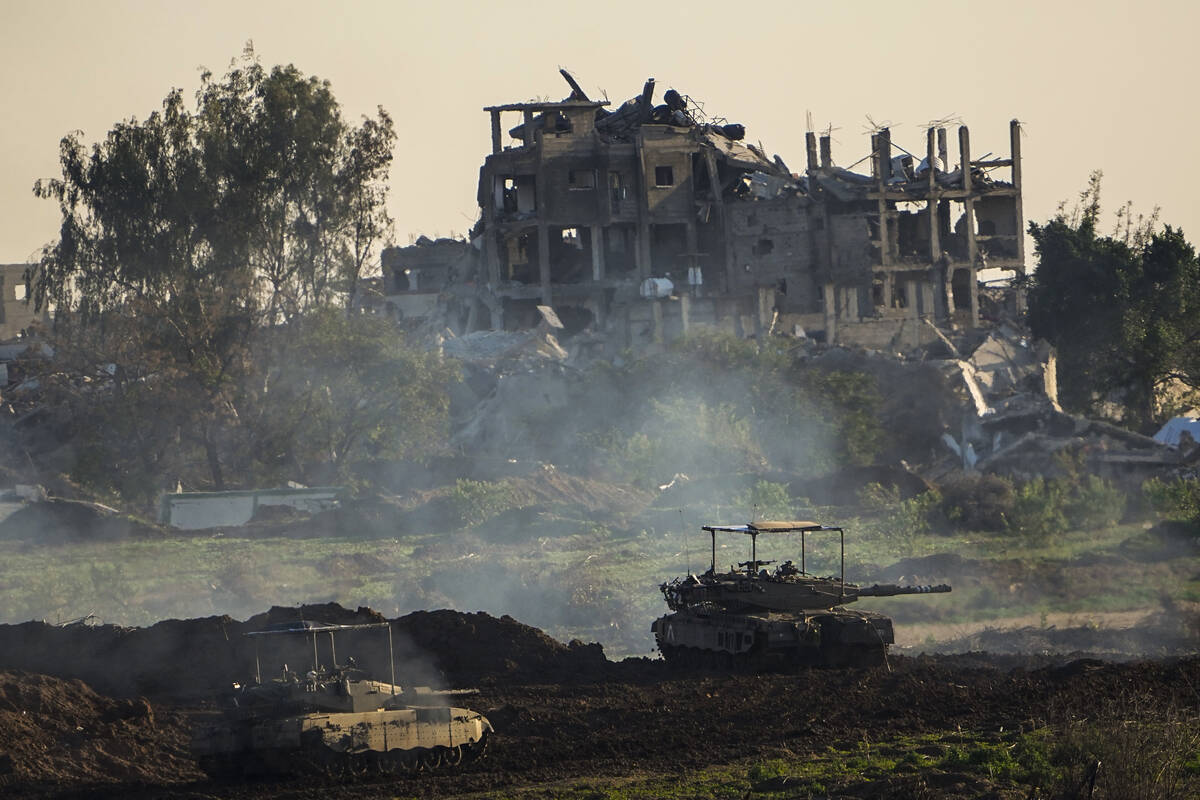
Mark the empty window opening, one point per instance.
(508, 195)
(763, 247)
(664, 176)
(616, 192)
(878, 292)
(960, 289)
(570, 238)
(582, 178)
(400, 279)
(19, 291)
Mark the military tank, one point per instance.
(756, 618)
(333, 719)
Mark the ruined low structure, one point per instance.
(641, 221)
(16, 314)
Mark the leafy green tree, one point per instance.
(187, 234)
(1122, 310)
(336, 390)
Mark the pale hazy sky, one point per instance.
(1102, 84)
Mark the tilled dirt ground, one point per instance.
(561, 713)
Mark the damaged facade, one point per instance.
(16, 314)
(644, 220)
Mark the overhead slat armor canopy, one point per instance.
(770, 527)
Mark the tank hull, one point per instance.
(773, 640)
(385, 741)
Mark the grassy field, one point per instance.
(1158, 758)
(576, 578)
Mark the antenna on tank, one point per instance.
(687, 555)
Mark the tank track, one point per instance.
(343, 766)
(701, 660)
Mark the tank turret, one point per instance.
(753, 615)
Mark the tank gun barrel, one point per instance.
(891, 590)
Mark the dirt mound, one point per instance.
(196, 659)
(471, 648)
(54, 730)
(187, 658)
(58, 520)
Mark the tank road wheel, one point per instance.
(431, 759)
(358, 764)
(390, 763)
(453, 756)
(330, 764)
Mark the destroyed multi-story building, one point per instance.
(647, 219)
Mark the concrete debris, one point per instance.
(1012, 423)
(499, 423)
(494, 347)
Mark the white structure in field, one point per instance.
(199, 510)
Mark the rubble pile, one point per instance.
(1012, 424)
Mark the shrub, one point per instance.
(917, 515)
(1037, 510)
(473, 502)
(1094, 503)
(767, 500)
(1178, 499)
(877, 497)
(978, 502)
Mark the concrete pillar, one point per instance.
(1014, 135)
(810, 146)
(656, 312)
(491, 255)
(931, 204)
(927, 308)
(850, 302)
(544, 262)
(714, 180)
(497, 141)
(910, 298)
(881, 167)
(528, 132)
(829, 295)
(597, 253)
(964, 147)
(685, 311)
(643, 213)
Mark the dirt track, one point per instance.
(557, 720)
